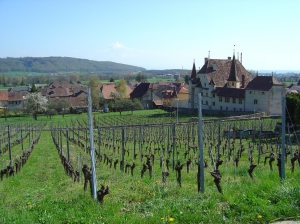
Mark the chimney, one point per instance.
(229, 58)
(243, 81)
(241, 58)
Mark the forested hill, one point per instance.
(63, 64)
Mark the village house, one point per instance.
(294, 88)
(3, 100)
(73, 94)
(225, 85)
(175, 95)
(148, 94)
(107, 89)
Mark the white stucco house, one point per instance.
(225, 84)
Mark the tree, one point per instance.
(140, 78)
(116, 96)
(35, 103)
(5, 111)
(94, 84)
(111, 80)
(74, 78)
(292, 101)
(33, 89)
(186, 79)
(180, 80)
(121, 87)
(58, 106)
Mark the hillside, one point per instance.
(62, 64)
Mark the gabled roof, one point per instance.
(15, 96)
(62, 89)
(3, 95)
(110, 87)
(263, 83)
(140, 90)
(221, 74)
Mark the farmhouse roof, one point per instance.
(222, 70)
(263, 83)
(15, 96)
(109, 87)
(3, 95)
(62, 89)
(140, 90)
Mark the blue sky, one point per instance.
(154, 34)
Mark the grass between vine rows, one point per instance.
(43, 193)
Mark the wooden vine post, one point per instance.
(9, 148)
(173, 146)
(123, 150)
(68, 145)
(283, 139)
(200, 140)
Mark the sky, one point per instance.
(154, 34)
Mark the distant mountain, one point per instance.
(166, 72)
(63, 64)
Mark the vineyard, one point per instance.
(147, 170)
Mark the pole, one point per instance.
(177, 111)
(123, 151)
(9, 148)
(68, 145)
(200, 140)
(283, 139)
(92, 151)
(173, 147)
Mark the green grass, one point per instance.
(43, 193)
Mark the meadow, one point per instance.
(43, 192)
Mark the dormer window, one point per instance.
(214, 65)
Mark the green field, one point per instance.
(42, 192)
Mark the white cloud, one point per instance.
(118, 45)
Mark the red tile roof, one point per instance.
(3, 95)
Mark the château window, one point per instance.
(214, 95)
(201, 93)
(206, 94)
(213, 103)
(250, 92)
(240, 101)
(206, 103)
(227, 99)
(233, 100)
(220, 99)
(262, 93)
(255, 101)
